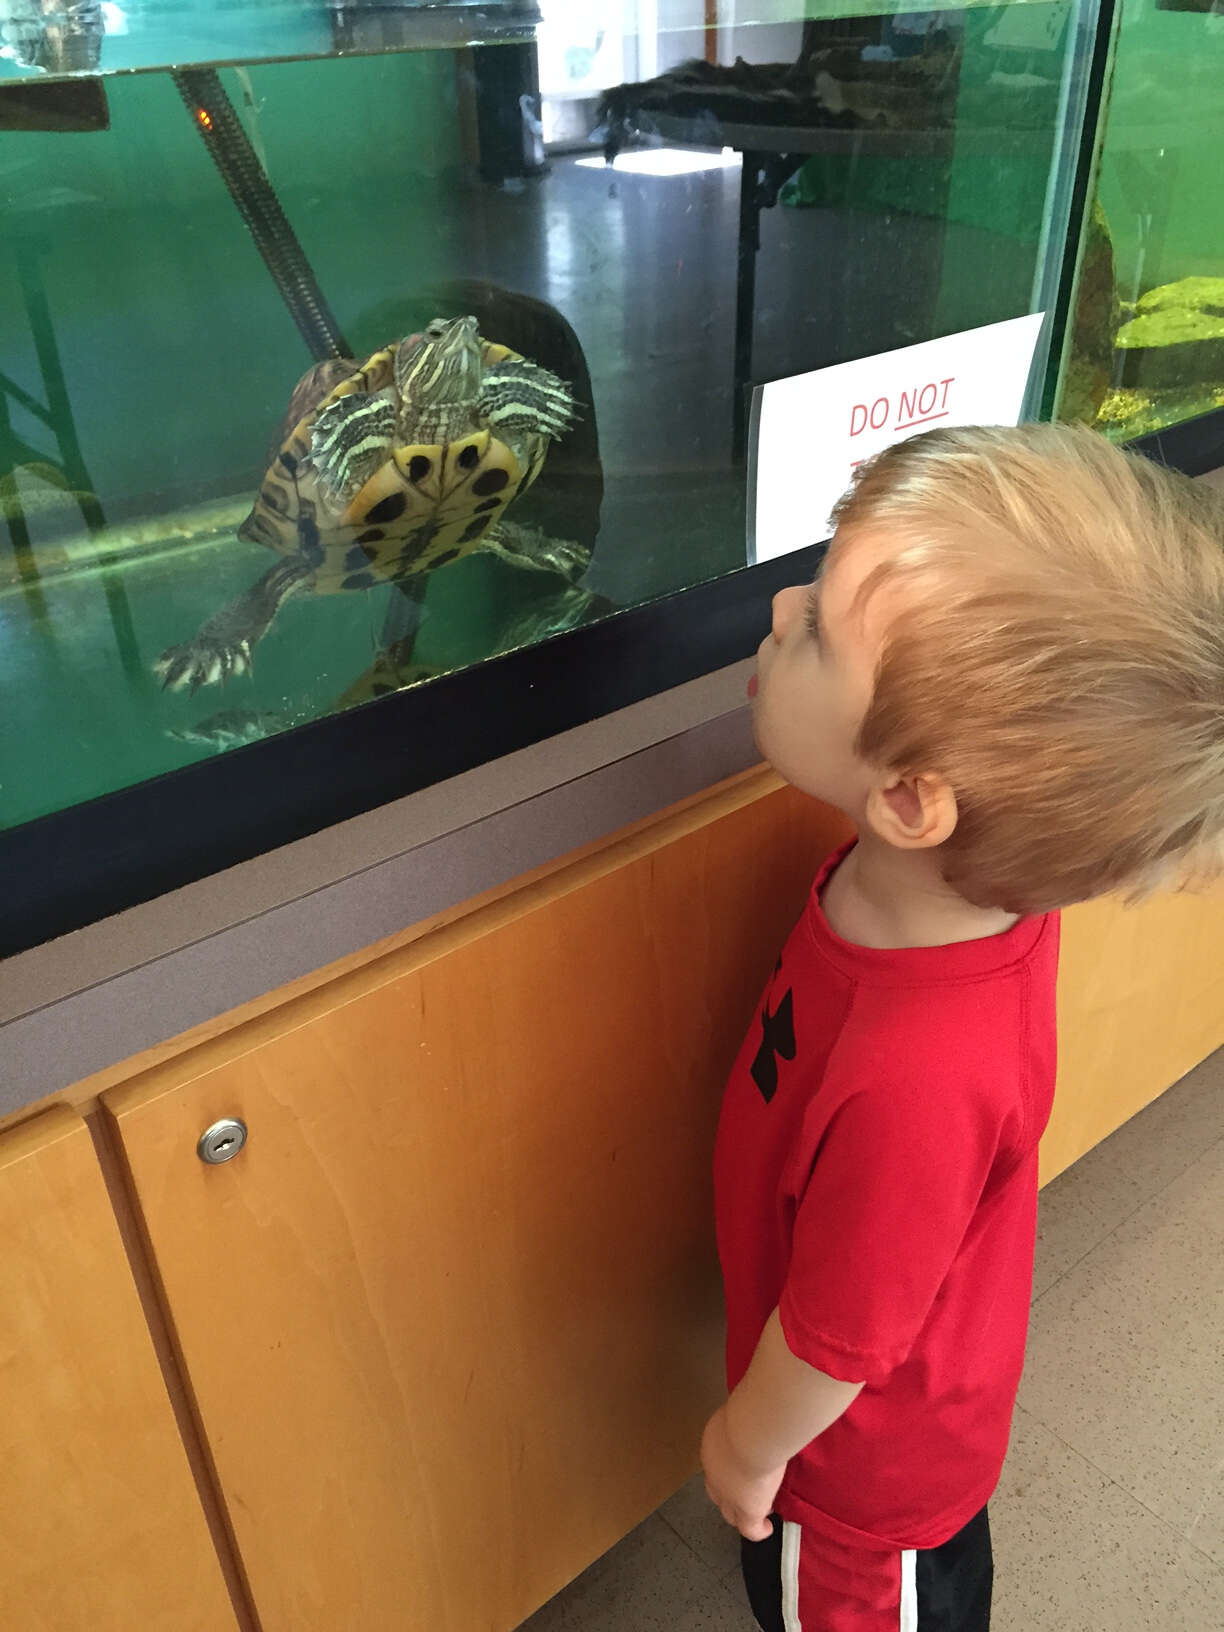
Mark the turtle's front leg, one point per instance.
(522, 396)
(223, 645)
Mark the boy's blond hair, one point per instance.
(1056, 650)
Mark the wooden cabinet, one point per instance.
(452, 1317)
(1141, 1002)
(101, 1528)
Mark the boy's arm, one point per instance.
(780, 1405)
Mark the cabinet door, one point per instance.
(1140, 1003)
(101, 1529)
(452, 1316)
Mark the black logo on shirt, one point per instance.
(777, 1041)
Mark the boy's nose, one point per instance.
(787, 603)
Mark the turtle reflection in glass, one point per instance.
(384, 472)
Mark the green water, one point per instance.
(146, 356)
(177, 357)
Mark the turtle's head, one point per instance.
(441, 365)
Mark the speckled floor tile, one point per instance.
(1083, 1205)
(1075, 1553)
(1125, 1356)
(650, 1582)
(698, 1522)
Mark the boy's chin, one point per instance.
(814, 787)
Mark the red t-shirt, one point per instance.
(876, 1180)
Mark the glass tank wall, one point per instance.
(320, 378)
(1146, 348)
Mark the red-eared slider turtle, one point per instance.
(382, 473)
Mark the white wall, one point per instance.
(744, 33)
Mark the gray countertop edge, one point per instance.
(91, 999)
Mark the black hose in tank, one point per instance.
(247, 181)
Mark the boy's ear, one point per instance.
(913, 812)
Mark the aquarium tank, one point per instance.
(345, 348)
(1146, 347)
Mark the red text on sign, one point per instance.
(920, 405)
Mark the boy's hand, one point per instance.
(744, 1495)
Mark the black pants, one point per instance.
(798, 1581)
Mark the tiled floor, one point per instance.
(1110, 1516)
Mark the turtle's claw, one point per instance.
(202, 662)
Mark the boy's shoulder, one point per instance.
(975, 1032)
(940, 1036)
(889, 1046)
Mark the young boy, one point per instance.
(1010, 675)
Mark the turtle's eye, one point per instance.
(436, 328)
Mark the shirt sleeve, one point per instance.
(881, 1214)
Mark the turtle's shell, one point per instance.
(425, 506)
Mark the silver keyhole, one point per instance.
(222, 1141)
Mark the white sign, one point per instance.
(813, 430)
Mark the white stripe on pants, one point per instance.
(792, 1536)
(909, 1592)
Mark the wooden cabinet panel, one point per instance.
(101, 1529)
(1141, 1002)
(451, 1318)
